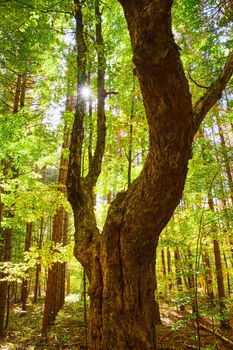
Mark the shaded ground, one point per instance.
(177, 332)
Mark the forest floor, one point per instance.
(176, 332)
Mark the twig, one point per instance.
(44, 11)
(6, 104)
(194, 81)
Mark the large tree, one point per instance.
(120, 260)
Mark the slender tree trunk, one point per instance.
(178, 269)
(68, 289)
(38, 266)
(227, 219)
(163, 262)
(23, 90)
(6, 234)
(220, 284)
(226, 160)
(208, 275)
(131, 136)
(190, 270)
(90, 141)
(8, 306)
(17, 94)
(228, 275)
(169, 267)
(64, 269)
(219, 274)
(24, 290)
(2, 285)
(66, 272)
(85, 304)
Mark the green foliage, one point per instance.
(11, 272)
(49, 254)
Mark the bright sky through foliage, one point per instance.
(86, 91)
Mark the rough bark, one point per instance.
(120, 264)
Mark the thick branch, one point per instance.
(213, 94)
(74, 174)
(79, 189)
(151, 199)
(95, 166)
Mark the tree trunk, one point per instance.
(227, 221)
(17, 94)
(2, 285)
(23, 90)
(64, 269)
(228, 275)
(130, 161)
(120, 263)
(178, 269)
(190, 270)
(24, 290)
(163, 262)
(38, 266)
(169, 267)
(208, 275)
(226, 159)
(219, 273)
(6, 235)
(220, 283)
(68, 290)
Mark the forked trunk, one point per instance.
(120, 263)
